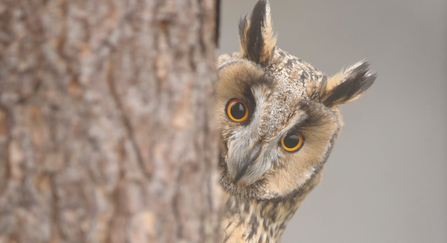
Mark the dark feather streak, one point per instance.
(254, 42)
(356, 83)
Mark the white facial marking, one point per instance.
(245, 145)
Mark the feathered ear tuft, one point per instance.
(256, 35)
(348, 85)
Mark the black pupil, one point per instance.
(291, 141)
(238, 110)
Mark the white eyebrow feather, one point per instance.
(299, 118)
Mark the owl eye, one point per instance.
(292, 142)
(237, 110)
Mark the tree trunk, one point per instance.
(106, 121)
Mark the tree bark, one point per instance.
(106, 121)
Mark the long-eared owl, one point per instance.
(278, 120)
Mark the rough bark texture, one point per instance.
(106, 121)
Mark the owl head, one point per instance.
(277, 115)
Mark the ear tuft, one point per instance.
(348, 85)
(256, 36)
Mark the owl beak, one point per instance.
(252, 156)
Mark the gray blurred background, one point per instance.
(386, 180)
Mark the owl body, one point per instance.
(278, 120)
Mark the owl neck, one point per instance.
(250, 219)
(253, 220)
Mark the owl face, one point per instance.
(273, 133)
(277, 115)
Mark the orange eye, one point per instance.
(292, 142)
(237, 110)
